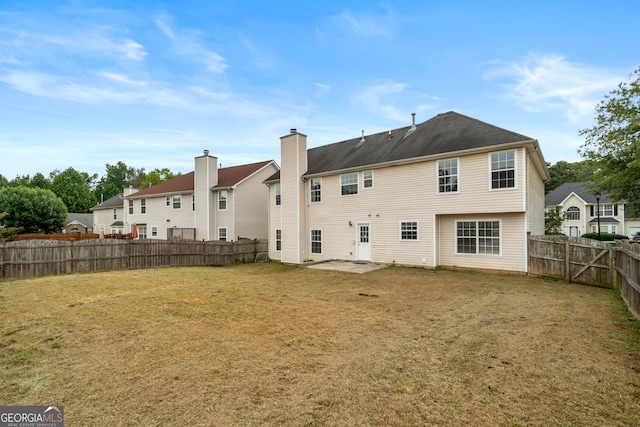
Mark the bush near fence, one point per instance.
(33, 258)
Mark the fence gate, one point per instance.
(574, 259)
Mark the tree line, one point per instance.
(40, 204)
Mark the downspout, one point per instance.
(297, 195)
(208, 202)
(526, 211)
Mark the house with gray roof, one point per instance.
(450, 191)
(584, 211)
(79, 223)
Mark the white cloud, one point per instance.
(322, 89)
(545, 82)
(382, 97)
(365, 23)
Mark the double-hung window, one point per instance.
(478, 237)
(176, 201)
(367, 179)
(143, 206)
(222, 200)
(316, 190)
(316, 241)
(278, 240)
(409, 230)
(503, 169)
(130, 207)
(349, 183)
(115, 213)
(448, 176)
(222, 234)
(278, 196)
(167, 201)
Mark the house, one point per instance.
(79, 223)
(451, 191)
(108, 216)
(210, 203)
(578, 201)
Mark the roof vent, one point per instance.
(413, 121)
(294, 131)
(362, 140)
(206, 152)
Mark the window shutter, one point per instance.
(615, 210)
(592, 210)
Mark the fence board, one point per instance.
(33, 258)
(627, 268)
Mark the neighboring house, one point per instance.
(79, 223)
(452, 191)
(578, 201)
(108, 216)
(209, 203)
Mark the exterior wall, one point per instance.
(409, 193)
(513, 243)
(103, 218)
(294, 165)
(158, 214)
(205, 178)
(251, 202)
(535, 199)
(576, 227)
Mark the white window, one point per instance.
(222, 233)
(142, 231)
(167, 201)
(143, 206)
(316, 190)
(130, 207)
(478, 237)
(448, 176)
(278, 240)
(316, 241)
(349, 183)
(606, 210)
(176, 201)
(367, 179)
(573, 213)
(503, 170)
(277, 192)
(115, 213)
(222, 200)
(409, 230)
(604, 228)
(154, 231)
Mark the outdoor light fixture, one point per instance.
(598, 211)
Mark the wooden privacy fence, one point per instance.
(627, 274)
(574, 259)
(32, 258)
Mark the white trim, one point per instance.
(357, 184)
(417, 239)
(311, 230)
(477, 220)
(515, 170)
(372, 179)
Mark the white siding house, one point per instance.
(211, 203)
(577, 200)
(451, 191)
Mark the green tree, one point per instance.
(3, 181)
(157, 176)
(40, 181)
(562, 172)
(7, 232)
(34, 210)
(613, 143)
(73, 189)
(118, 177)
(553, 220)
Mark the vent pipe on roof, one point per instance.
(362, 140)
(294, 131)
(413, 121)
(206, 152)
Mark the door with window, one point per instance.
(364, 243)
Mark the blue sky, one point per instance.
(153, 84)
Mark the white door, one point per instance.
(364, 243)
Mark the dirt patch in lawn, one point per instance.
(268, 344)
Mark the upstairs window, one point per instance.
(222, 200)
(130, 207)
(176, 201)
(349, 183)
(503, 170)
(143, 206)
(367, 179)
(277, 192)
(167, 201)
(316, 190)
(573, 213)
(448, 176)
(115, 212)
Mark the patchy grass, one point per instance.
(267, 344)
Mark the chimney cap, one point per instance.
(294, 130)
(206, 152)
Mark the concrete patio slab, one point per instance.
(348, 266)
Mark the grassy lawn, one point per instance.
(267, 344)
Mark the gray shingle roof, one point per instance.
(110, 203)
(82, 218)
(445, 133)
(583, 189)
